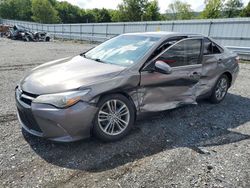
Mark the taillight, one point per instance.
(237, 59)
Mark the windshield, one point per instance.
(124, 50)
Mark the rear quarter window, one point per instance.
(211, 47)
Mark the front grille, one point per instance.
(27, 98)
(26, 101)
(28, 120)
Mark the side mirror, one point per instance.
(162, 67)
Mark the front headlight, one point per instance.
(61, 100)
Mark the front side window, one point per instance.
(164, 46)
(186, 52)
(124, 50)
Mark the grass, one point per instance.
(244, 61)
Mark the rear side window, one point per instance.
(210, 47)
(184, 53)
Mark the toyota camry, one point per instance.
(101, 92)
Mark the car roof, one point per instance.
(164, 34)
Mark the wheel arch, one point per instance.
(124, 93)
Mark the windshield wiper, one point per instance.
(95, 59)
(99, 60)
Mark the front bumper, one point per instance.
(63, 125)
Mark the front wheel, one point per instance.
(220, 90)
(27, 38)
(114, 118)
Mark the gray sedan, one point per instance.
(102, 91)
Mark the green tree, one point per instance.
(152, 11)
(132, 10)
(16, 9)
(232, 8)
(6, 9)
(68, 13)
(24, 9)
(179, 11)
(213, 9)
(89, 16)
(54, 2)
(101, 15)
(115, 15)
(246, 11)
(44, 12)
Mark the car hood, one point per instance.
(67, 74)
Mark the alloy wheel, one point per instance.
(221, 88)
(113, 117)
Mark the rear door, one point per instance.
(213, 65)
(165, 91)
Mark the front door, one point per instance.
(165, 91)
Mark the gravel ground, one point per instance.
(194, 146)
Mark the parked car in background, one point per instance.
(102, 91)
(21, 33)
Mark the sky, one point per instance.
(197, 5)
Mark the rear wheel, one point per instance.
(220, 90)
(47, 39)
(114, 118)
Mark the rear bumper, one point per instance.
(63, 125)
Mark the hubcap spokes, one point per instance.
(221, 89)
(113, 117)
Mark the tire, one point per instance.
(109, 126)
(28, 38)
(216, 97)
(47, 39)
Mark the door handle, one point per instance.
(195, 75)
(219, 60)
